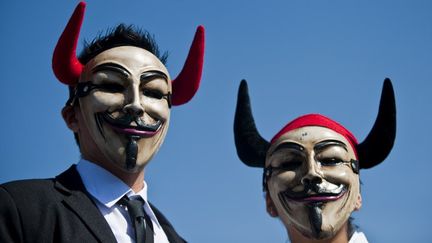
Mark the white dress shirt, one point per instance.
(358, 237)
(106, 190)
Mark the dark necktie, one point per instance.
(140, 220)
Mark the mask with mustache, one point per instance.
(311, 165)
(311, 178)
(125, 107)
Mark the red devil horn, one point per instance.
(66, 66)
(187, 82)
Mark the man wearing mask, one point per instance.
(311, 168)
(119, 106)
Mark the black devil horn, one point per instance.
(251, 147)
(378, 144)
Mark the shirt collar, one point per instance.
(101, 184)
(107, 188)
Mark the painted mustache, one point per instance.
(127, 119)
(313, 196)
(123, 124)
(313, 193)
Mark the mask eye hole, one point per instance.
(111, 87)
(330, 161)
(156, 94)
(287, 159)
(289, 165)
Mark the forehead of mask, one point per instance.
(308, 137)
(335, 213)
(134, 59)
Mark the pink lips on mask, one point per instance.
(122, 125)
(132, 131)
(321, 198)
(311, 198)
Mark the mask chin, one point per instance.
(320, 216)
(128, 147)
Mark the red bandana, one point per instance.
(321, 121)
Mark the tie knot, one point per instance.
(140, 221)
(135, 206)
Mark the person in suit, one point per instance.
(119, 107)
(311, 168)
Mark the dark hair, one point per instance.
(122, 35)
(68, 103)
(351, 227)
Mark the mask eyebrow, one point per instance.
(328, 143)
(289, 145)
(149, 75)
(112, 67)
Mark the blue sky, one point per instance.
(299, 57)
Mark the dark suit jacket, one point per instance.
(57, 210)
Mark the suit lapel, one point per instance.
(171, 234)
(78, 200)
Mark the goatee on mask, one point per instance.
(132, 133)
(135, 133)
(311, 166)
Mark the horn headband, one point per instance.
(67, 68)
(252, 148)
